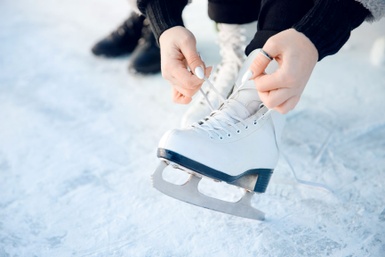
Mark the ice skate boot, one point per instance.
(122, 40)
(232, 40)
(146, 57)
(237, 144)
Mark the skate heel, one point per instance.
(253, 180)
(263, 180)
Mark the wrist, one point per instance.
(175, 32)
(164, 14)
(306, 44)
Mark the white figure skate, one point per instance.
(237, 144)
(232, 41)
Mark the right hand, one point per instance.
(179, 56)
(296, 56)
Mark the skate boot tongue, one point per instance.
(243, 103)
(233, 114)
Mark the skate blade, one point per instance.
(189, 193)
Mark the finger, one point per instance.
(184, 78)
(269, 82)
(275, 98)
(180, 98)
(193, 59)
(185, 91)
(288, 105)
(260, 63)
(189, 92)
(208, 71)
(188, 80)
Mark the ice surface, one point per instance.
(78, 139)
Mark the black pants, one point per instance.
(273, 16)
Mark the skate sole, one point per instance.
(255, 180)
(189, 193)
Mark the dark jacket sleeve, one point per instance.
(329, 23)
(162, 14)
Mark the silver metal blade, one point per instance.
(189, 193)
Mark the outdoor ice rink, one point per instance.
(78, 140)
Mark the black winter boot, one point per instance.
(123, 40)
(146, 57)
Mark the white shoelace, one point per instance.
(220, 122)
(232, 42)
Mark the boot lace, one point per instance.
(130, 25)
(232, 42)
(225, 121)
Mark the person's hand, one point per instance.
(296, 56)
(179, 62)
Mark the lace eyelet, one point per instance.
(246, 127)
(220, 137)
(228, 135)
(238, 131)
(255, 122)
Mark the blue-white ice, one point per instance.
(78, 138)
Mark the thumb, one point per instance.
(194, 61)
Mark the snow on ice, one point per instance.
(78, 139)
